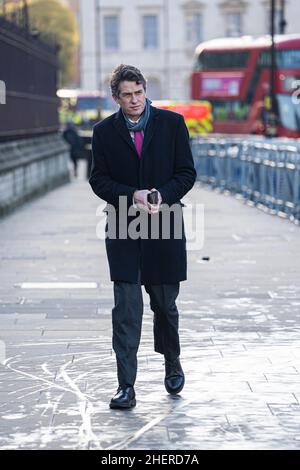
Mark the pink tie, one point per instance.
(138, 142)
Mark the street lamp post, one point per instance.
(282, 23)
(98, 44)
(273, 53)
(271, 130)
(26, 15)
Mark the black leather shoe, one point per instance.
(124, 398)
(174, 380)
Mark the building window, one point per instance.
(111, 32)
(193, 29)
(150, 31)
(234, 24)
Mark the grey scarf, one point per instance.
(141, 125)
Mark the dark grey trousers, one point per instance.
(127, 317)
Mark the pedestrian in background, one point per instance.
(137, 151)
(76, 144)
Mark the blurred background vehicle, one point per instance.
(82, 107)
(234, 75)
(197, 114)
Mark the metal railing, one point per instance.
(264, 172)
(28, 70)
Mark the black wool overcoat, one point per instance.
(166, 164)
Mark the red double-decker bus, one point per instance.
(234, 76)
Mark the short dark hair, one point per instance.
(125, 72)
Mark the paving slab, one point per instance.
(239, 323)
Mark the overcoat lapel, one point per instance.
(121, 127)
(150, 129)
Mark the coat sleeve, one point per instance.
(184, 175)
(101, 182)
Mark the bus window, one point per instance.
(230, 110)
(288, 59)
(289, 112)
(222, 60)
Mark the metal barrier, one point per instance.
(264, 172)
(28, 72)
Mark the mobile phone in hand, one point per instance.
(153, 198)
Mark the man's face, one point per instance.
(132, 99)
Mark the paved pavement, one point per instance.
(239, 327)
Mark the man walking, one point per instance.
(138, 151)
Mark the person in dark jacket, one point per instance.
(75, 142)
(138, 151)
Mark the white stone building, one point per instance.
(159, 36)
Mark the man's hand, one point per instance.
(140, 199)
